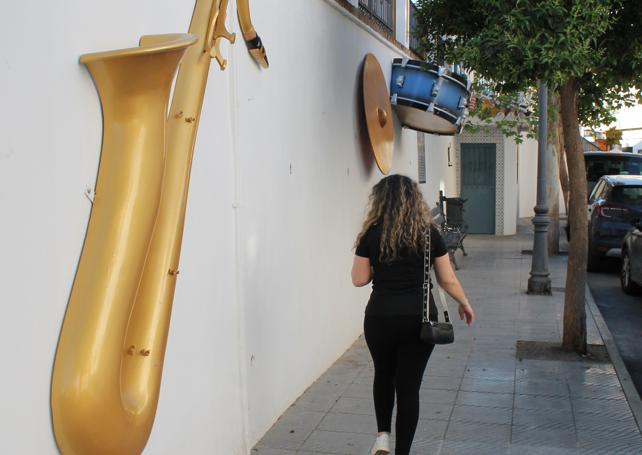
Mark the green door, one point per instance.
(478, 187)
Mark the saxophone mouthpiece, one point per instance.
(257, 51)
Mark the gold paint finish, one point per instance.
(252, 40)
(97, 409)
(218, 34)
(378, 112)
(109, 360)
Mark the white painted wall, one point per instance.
(279, 183)
(527, 178)
(510, 187)
(439, 174)
(303, 187)
(402, 22)
(50, 132)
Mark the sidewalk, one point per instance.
(478, 397)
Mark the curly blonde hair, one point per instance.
(396, 203)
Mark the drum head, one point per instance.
(426, 122)
(378, 113)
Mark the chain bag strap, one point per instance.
(433, 332)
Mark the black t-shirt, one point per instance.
(397, 285)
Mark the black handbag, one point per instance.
(433, 332)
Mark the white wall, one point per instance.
(279, 183)
(50, 134)
(402, 21)
(527, 178)
(303, 187)
(439, 174)
(510, 187)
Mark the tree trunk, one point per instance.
(557, 139)
(552, 179)
(574, 337)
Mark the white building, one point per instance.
(279, 184)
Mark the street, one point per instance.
(623, 315)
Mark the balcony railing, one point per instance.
(381, 11)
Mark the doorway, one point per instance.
(478, 186)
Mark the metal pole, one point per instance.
(540, 281)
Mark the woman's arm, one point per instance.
(361, 271)
(449, 282)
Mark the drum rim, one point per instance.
(460, 79)
(427, 66)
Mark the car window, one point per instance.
(627, 195)
(604, 190)
(597, 166)
(596, 191)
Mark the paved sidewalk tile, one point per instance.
(477, 397)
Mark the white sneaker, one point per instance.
(381, 445)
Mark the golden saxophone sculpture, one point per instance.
(109, 359)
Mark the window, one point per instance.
(597, 166)
(627, 195)
(596, 191)
(381, 11)
(414, 42)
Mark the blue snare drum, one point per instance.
(428, 97)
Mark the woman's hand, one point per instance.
(466, 311)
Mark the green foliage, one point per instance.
(613, 136)
(517, 43)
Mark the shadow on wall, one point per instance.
(367, 154)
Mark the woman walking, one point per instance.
(390, 253)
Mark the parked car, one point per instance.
(610, 163)
(631, 274)
(614, 203)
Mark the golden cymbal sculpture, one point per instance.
(378, 113)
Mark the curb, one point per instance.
(630, 392)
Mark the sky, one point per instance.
(630, 118)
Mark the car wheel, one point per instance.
(628, 285)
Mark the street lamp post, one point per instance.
(540, 281)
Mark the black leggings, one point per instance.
(399, 361)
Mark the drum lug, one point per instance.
(431, 107)
(393, 99)
(463, 102)
(404, 62)
(400, 80)
(435, 88)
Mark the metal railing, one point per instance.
(380, 10)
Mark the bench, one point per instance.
(451, 224)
